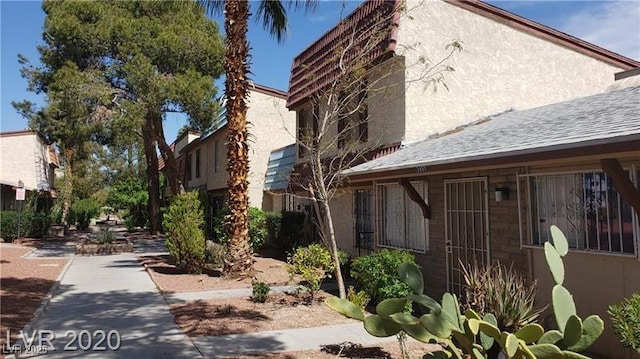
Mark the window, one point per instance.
(353, 118)
(189, 159)
(587, 208)
(401, 223)
(307, 129)
(216, 155)
(198, 163)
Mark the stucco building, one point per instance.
(25, 158)
(201, 158)
(540, 85)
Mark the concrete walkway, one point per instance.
(113, 294)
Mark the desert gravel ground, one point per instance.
(24, 282)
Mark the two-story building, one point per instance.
(27, 161)
(202, 159)
(455, 201)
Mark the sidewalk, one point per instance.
(112, 293)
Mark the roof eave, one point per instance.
(597, 147)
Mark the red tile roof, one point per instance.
(161, 160)
(53, 156)
(315, 67)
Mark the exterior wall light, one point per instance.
(502, 193)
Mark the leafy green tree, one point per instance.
(236, 66)
(129, 193)
(156, 58)
(74, 114)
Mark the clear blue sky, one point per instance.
(611, 24)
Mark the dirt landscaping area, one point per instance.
(23, 285)
(388, 350)
(217, 317)
(268, 268)
(214, 317)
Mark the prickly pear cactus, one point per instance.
(470, 336)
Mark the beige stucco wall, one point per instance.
(499, 68)
(198, 182)
(217, 155)
(23, 157)
(271, 126)
(596, 281)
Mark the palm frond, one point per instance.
(212, 7)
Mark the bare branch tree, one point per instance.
(333, 130)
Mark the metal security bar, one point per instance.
(364, 221)
(466, 227)
(587, 207)
(400, 222)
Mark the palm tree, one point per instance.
(273, 14)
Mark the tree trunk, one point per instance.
(238, 260)
(69, 156)
(170, 168)
(153, 175)
(334, 249)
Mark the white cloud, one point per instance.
(612, 25)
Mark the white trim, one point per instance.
(519, 210)
(379, 220)
(582, 251)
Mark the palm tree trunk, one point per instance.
(153, 177)
(238, 260)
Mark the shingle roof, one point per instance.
(604, 118)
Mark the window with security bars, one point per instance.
(400, 221)
(587, 207)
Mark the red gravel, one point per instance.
(23, 285)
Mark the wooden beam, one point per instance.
(415, 196)
(621, 180)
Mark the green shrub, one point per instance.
(286, 230)
(626, 321)
(359, 298)
(257, 227)
(183, 225)
(260, 291)
(9, 225)
(82, 211)
(106, 236)
(33, 225)
(55, 215)
(501, 291)
(312, 263)
(214, 254)
(377, 274)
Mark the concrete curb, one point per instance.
(183, 297)
(166, 302)
(24, 256)
(28, 328)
